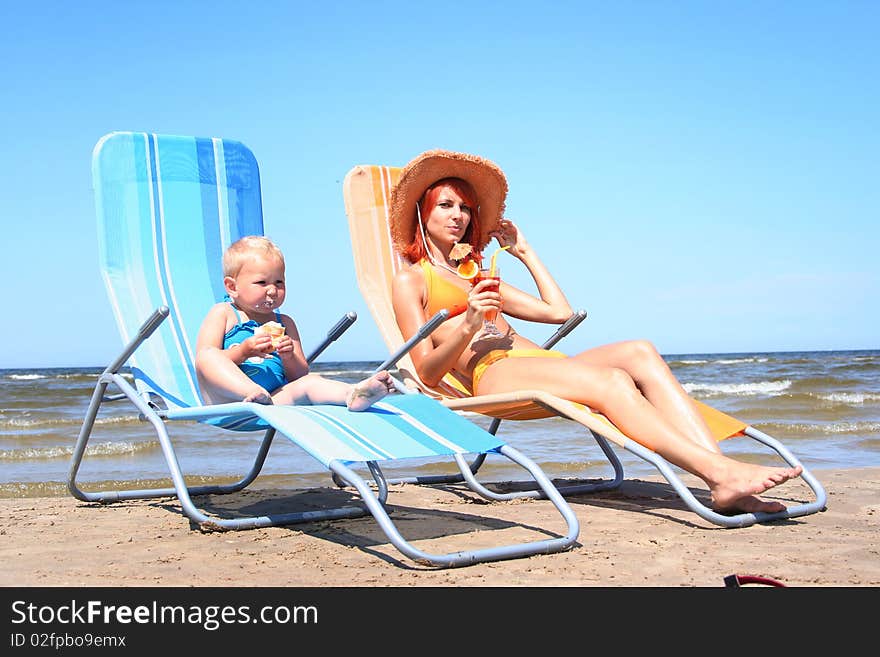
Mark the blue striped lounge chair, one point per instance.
(167, 208)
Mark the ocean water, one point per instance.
(824, 406)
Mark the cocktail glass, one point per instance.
(489, 328)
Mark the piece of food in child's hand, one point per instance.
(274, 329)
(460, 250)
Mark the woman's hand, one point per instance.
(510, 236)
(482, 298)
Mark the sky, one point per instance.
(704, 175)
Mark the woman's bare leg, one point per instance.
(658, 384)
(612, 392)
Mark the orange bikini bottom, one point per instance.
(500, 354)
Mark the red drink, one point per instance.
(483, 275)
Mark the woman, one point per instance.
(444, 200)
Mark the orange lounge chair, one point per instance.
(367, 193)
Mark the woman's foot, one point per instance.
(739, 489)
(258, 396)
(369, 391)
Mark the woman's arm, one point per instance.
(432, 360)
(552, 307)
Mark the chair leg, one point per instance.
(473, 467)
(540, 492)
(601, 485)
(430, 480)
(180, 490)
(147, 413)
(468, 557)
(741, 519)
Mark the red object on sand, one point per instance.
(735, 581)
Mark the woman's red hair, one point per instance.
(416, 250)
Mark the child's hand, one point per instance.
(293, 360)
(258, 345)
(284, 346)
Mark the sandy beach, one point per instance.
(640, 535)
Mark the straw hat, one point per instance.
(485, 177)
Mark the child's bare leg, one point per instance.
(222, 381)
(315, 389)
(259, 396)
(369, 391)
(311, 389)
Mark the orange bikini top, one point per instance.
(442, 293)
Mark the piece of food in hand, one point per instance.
(274, 329)
(460, 250)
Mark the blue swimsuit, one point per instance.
(269, 373)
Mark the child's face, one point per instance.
(259, 287)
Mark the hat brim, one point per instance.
(485, 177)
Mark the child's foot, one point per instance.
(745, 481)
(258, 396)
(369, 391)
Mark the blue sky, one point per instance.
(700, 174)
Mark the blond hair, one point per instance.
(247, 248)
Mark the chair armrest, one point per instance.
(145, 331)
(424, 331)
(333, 334)
(565, 329)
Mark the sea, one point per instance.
(823, 405)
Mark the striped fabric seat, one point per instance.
(398, 427)
(168, 207)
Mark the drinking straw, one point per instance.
(494, 256)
